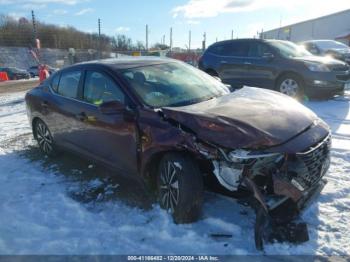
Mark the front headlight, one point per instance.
(317, 67)
(243, 156)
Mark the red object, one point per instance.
(3, 76)
(43, 73)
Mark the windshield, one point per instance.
(173, 84)
(330, 45)
(289, 49)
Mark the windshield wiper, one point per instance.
(193, 101)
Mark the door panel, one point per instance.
(260, 71)
(62, 107)
(232, 56)
(232, 70)
(109, 138)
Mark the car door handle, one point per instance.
(247, 63)
(44, 104)
(224, 62)
(86, 118)
(81, 116)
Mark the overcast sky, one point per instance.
(215, 17)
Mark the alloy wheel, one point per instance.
(289, 87)
(169, 186)
(44, 138)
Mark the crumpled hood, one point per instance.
(247, 118)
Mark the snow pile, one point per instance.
(47, 207)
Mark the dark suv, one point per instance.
(275, 64)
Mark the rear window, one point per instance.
(69, 83)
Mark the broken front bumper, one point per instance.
(281, 186)
(311, 195)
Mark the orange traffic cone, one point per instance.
(4, 76)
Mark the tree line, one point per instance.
(20, 33)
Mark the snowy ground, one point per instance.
(68, 206)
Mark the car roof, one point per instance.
(238, 40)
(128, 62)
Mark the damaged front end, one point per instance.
(280, 186)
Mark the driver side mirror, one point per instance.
(112, 107)
(313, 51)
(268, 56)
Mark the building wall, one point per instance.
(326, 27)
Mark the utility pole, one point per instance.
(146, 37)
(34, 27)
(189, 41)
(36, 42)
(204, 41)
(171, 38)
(163, 39)
(279, 29)
(99, 38)
(232, 34)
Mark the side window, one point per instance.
(239, 49)
(55, 82)
(258, 50)
(69, 83)
(100, 88)
(231, 49)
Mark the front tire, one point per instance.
(291, 85)
(180, 187)
(44, 138)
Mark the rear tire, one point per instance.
(44, 138)
(291, 85)
(180, 187)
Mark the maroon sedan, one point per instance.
(178, 131)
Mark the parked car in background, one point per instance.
(14, 73)
(275, 64)
(173, 127)
(34, 70)
(328, 48)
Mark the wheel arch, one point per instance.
(151, 166)
(34, 121)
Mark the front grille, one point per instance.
(343, 77)
(316, 160)
(339, 68)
